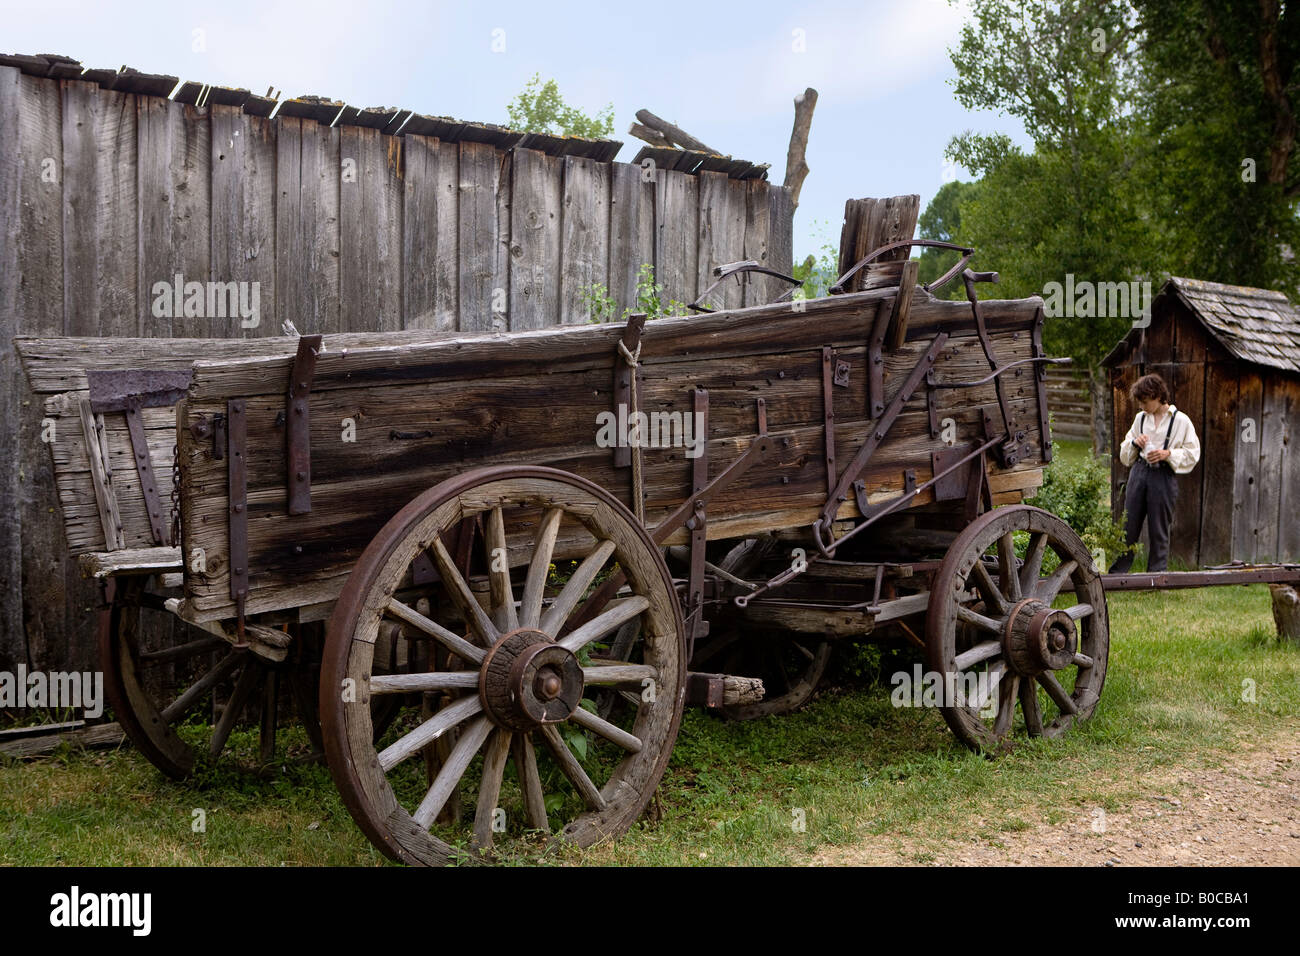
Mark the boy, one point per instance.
(1160, 444)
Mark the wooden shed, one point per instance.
(1231, 357)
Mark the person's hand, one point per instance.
(1158, 455)
(1140, 441)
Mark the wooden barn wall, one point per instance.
(1242, 501)
(103, 194)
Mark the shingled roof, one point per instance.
(1254, 325)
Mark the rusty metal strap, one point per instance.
(144, 468)
(237, 480)
(298, 425)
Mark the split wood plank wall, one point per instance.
(104, 193)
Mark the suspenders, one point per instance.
(1142, 422)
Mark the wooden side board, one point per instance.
(391, 421)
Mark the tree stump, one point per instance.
(1286, 611)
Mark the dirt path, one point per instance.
(1246, 813)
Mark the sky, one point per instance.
(727, 74)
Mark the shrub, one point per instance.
(1077, 490)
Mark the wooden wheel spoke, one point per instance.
(571, 768)
(453, 768)
(415, 683)
(988, 590)
(979, 620)
(489, 788)
(453, 642)
(612, 674)
(196, 691)
(530, 612)
(1079, 611)
(498, 560)
(461, 595)
(982, 694)
(244, 685)
(428, 732)
(1083, 661)
(1033, 565)
(1029, 707)
(980, 652)
(530, 782)
(1007, 574)
(576, 587)
(182, 651)
(1048, 588)
(1006, 706)
(614, 616)
(585, 718)
(1057, 692)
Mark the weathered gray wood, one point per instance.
(243, 218)
(47, 740)
(1288, 505)
(1246, 468)
(131, 561)
(535, 239)
(677, 217)
(780, 242)
(722, 236)
(307, 226)
(370, 223)
(422, 208)
(447, 263)
(1272, 457)
(110, 515)
(631, 231)
(870, 224)
(584, 230)
(759, 289)
(54, 636)
(175, 232)
(796, 166)
(480, 178)
(1286, 611)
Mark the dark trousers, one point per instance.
(1150, 496)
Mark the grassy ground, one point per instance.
(847, 766)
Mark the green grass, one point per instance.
(855, 766)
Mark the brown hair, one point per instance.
(1150, 386)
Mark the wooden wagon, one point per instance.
(532, 550)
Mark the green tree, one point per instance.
(1071, 206)
(541, 109)
(1220, 99)
(941, 220)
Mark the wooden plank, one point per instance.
(174, 154)
(100, 217)
(105, 497)
(759, 289)
(535, 210)
(780, 243)
(480, 178)
(584, 236)
(1288, 505)
(631, 231)
(447, 262)
(1272, 459)
(307, 225)
(422, 207)
(1246, 465)
(370, 230)
(722, 236)
(677, 238)
(1188, 387)
(243, 221)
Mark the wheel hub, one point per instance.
(1037, 638)
(528, 680)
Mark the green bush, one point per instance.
(1077, 490)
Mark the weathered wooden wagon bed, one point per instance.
(515, 578)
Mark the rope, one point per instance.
(633, 360)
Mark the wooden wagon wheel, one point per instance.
(208, 661)
(515, 687)
(994, 635)
(789, 663)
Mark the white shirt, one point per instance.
(1184, 446)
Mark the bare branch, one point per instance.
(796, 168)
